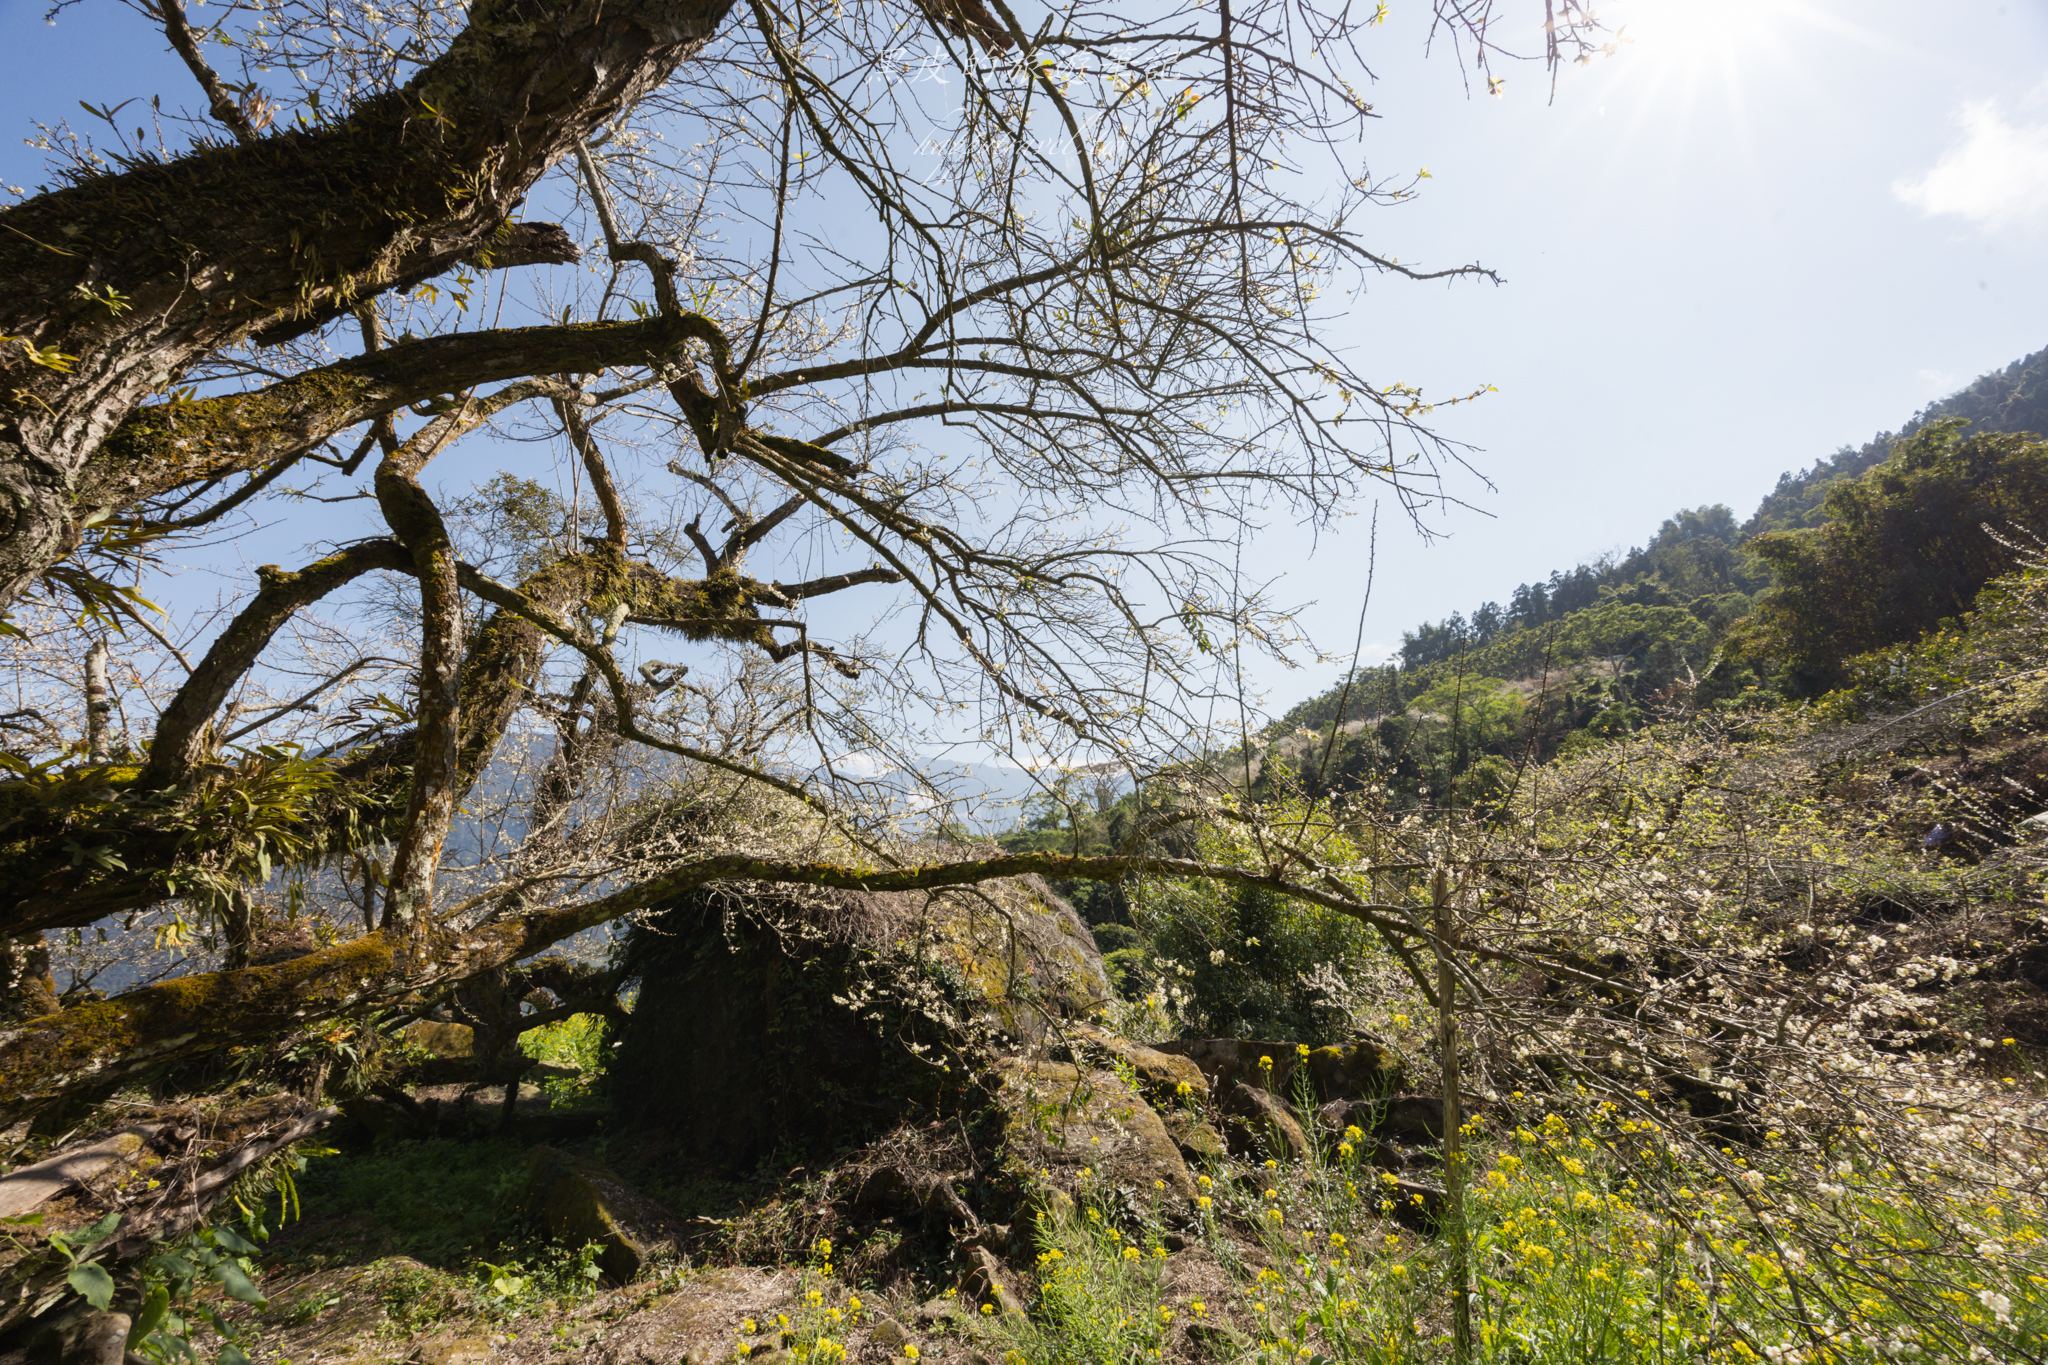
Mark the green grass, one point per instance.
(441, 1222)
(442, 1201)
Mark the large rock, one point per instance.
(441, 1040)
(1165, 1077)
(790, 1026)
(440, 1051)
(1197, 1138)
(1024, 955)
(1174, 1086)
(1085, 1131)
(1411, 1120)
(1259, 1124)
(580, 1202)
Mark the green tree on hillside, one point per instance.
(1455, 742)
(2012, 399)
(1900, 549)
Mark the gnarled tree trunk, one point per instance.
(111, 287)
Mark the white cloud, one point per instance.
(862, 766)
(1995, 175)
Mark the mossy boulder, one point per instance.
(579, 1202)
(1196, 1136)
(1085, 1131)
(440, 1039)
(1174, 1086)
(789, 1026)
(476, 1348)
(1024, 954)
(439, 1052)
(1260, 1124)
(1412, 1120)
(1166, 1078)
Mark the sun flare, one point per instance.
(1709, 57)
(1703, 33)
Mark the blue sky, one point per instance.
(1760, 230)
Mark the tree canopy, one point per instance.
(880, 380)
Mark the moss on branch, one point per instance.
(183, 440)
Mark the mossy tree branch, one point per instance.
(140, 813)
(165, 445)
(181, 730)
(180, 736)
(135, 276)
(436, 760)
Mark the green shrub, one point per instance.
(1243, 961)
(580, 1044)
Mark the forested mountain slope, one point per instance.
(2012, 399)
(1868, 548)
(1790, 918)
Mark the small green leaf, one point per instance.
(237, 1283)
(156, 1306)
(93, 1284)
(234, 1241)
(100, 1231)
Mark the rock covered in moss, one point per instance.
(1022, 951)
(1174, 1086)
(1165, 1077)
(1413, 1120)
(580, 1202)
(791, 1025)
(1259, 1124)
(1199, 1139)
(476, 1348)
(440, 1039)
(1077, 1130)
